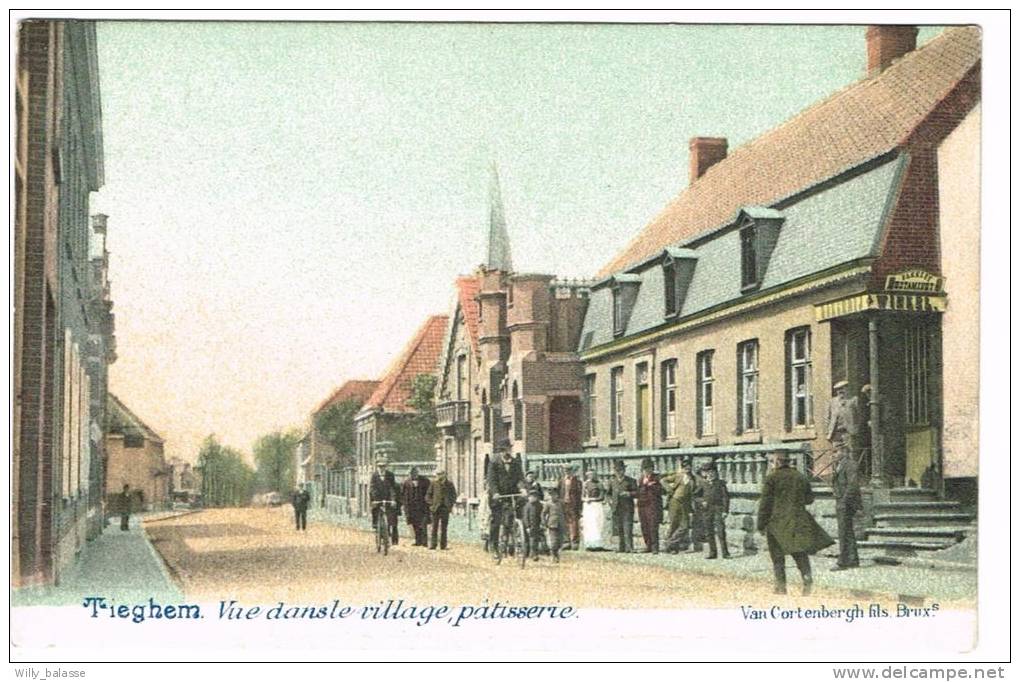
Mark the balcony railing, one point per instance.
(453, 413)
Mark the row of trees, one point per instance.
(227, 479)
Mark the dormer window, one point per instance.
(759, 231)
(625, 291)
(619, 323)
(677, 272)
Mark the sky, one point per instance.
(289, 201)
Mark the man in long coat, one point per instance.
(621, 491)
(788, 526)
(682, 486)
(649, 504)
(846, 488)
(383, 487)
(570, 496)
(441, 497)
(505, 477)
(416, 510)
(300, 500)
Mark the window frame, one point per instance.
(668, 381)
(748, 386)
(795, 398)
(705, 388)
(591, 404)
(750, 275)
(616, 395)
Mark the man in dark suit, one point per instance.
(649, 504)
(715, 501)
(786, 523)
(570, 497)
(416, 510)
(299, 500)
(505, 477)
(622, 490)
(441, 497)
(846, 488)
(383, 487)
(124, 501)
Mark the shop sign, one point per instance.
(864, 302)
(914, 281)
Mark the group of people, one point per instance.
(425, 503)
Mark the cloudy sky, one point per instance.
(288, 201)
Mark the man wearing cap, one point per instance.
(621, 491)
(570, 496)
(649, 504)
(383, 487)
(846, 488)
(715, 501)
(786, 523)
(505, 477)
(842, 419)
(416, 509)
(441, 497)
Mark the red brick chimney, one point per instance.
(705, 152)
(886, 44)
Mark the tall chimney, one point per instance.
(886, 44)
(705, 152)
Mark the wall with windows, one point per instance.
(762, 376)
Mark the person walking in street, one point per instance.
(416, 508)
(299, 499)
(715, 500)
(621, 492)
(680, 506)
(505, 477)
(382, 487)
(649, 504)
(570, 496)
(593, 516)
(124, 502)
(788, 527)
(554, 519)
(846, 488)
(441, 497)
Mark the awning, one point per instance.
(917, 303)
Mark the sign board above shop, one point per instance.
(914, 281)
(863, 302)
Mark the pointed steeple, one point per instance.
(498, 257)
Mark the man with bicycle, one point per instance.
(383, 488)
(505, 477)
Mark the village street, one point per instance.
(255, 555)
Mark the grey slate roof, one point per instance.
(836, 225)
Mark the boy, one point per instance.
(715, 499)
(554, 518)
(532, 525)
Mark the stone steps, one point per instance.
(917, 507)
(909, 519)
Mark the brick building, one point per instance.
(811, 255)
(509, 367)
(63, 324)
(135, 458)
(387, 416)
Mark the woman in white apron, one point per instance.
(593, 514)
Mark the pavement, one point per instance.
(119, 565)
(913, 580)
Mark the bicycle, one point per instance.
(511, 530)
(382, 526)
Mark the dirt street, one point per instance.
(254, 555)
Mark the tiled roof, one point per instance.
(860, 122)
(467, 296)
(420, 356)
(122, 420)
(356, 389)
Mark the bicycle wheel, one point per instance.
(384, 536)
(519, 540)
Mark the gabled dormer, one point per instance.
(759, 231)
(625, 290)
(677, 273)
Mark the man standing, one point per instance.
(382, 487)
(715, 499)
(416, 509)
(299, 500)
(680, 507)
(842, 419)
(622, 491)
(504, 478)
(441, 497)
(846, 488)
(124, 502)
(787, 525)
(570, 497)
(649, 504)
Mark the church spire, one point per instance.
(498, 257)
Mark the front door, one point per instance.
(644, 408)
(919, 431)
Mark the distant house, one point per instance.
(135, 458)
(387, 416)
(183, 479)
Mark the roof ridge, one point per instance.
(393, 372)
